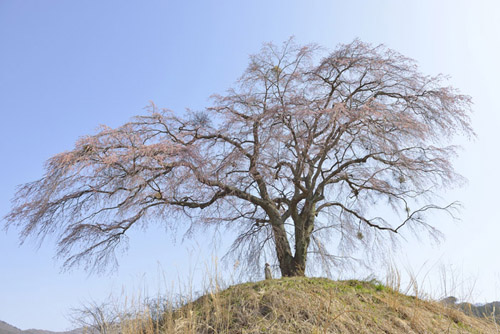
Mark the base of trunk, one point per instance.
(293, 270)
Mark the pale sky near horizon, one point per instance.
(68, 66)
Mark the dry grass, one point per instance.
(300, 305)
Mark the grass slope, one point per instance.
(315, 305)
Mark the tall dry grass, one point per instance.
(399, 305)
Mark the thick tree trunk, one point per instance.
(303, 229)
(283, 250)
(293, 264)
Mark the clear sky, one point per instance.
(68, 66)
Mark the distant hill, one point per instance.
(488, 310)
(6, 328)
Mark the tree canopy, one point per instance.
(301, 157)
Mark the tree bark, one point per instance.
(283, 250)
(293, 264)
(303, 231)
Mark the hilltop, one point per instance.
(316, 305)
(298, 305)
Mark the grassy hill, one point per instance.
(309, 305)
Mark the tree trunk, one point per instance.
(293, 265)
(283, 250)
(303, 229)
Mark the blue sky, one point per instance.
(68, 66)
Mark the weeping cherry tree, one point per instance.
(309, 156)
